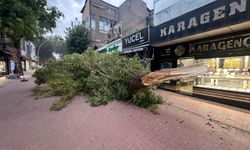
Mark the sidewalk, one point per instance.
(28, 124)
(28, 74)
(4, 80)
(226, 116)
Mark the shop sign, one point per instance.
(237, 43)
(115, 46)
(218, 14)
(115, 32)
(133, 50)
(136, 39)
(226, 44)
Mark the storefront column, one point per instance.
(246, 84)
(246, 62)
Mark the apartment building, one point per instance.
(108, 23)
(26, 56)
(99, 17)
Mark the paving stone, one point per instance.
(27, 124)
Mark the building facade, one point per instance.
(133, 16)
(99, 17)
(213, 32)
(9, 56)
(166, 10)
(4, 56)
(108, 23)
(28, 57)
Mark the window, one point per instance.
(93, 24)
(104, 24)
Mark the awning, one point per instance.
(5, 52)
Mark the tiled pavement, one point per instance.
(230, 116)
(2, 81)
(27, 124)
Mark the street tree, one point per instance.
(77, 39)
(104, 78)
(26, 19)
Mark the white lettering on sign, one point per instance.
(236, 6)
(192, 23)
(219, 13)
(181, 26)
(171, 30)
(134, 38)
(163, 32)
(246, 42)
(207, 17)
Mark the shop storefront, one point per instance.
(226, 56)
(217, 35)
(137, 44)
(3, 67)
(4, 63)
(115, 46)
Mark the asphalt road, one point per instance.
(27, 124)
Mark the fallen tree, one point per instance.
(104, 78)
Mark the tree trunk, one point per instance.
(16, 55)
(135, 85)
(160, 76)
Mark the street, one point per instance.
(27, 124)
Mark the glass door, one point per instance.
(185, 84)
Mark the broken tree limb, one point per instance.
(160, 76)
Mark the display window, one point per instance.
(2, 67)
(228, 73)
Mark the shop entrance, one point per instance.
(185, 84)
(3, 68)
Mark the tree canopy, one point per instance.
(77, 39)
(105, 78)
(27, 19)
(93, 74)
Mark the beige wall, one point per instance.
(133, 15)
(96, 9)
(85, 14)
